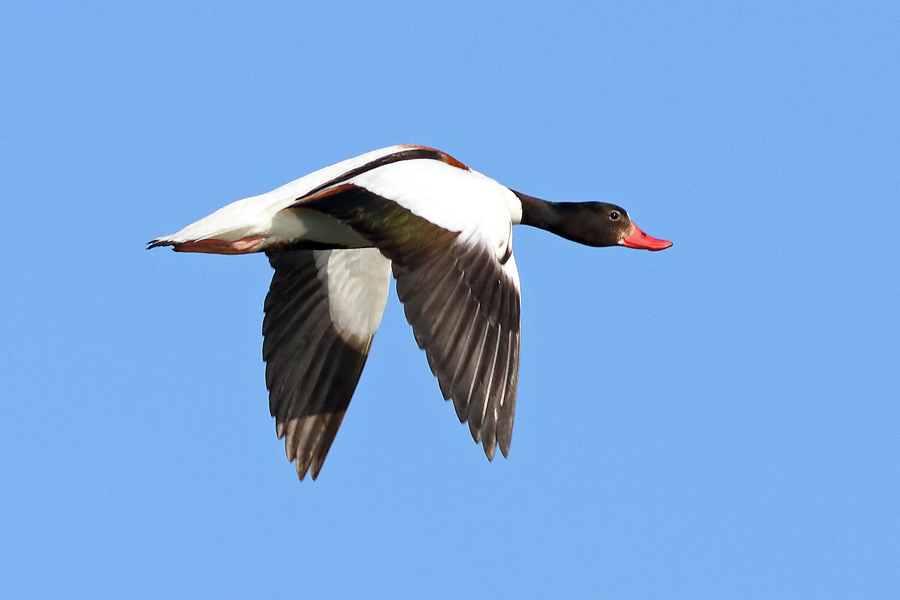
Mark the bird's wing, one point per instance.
(457, 280)
(322, 310)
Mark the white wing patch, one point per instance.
(451, 198)
(356, 293)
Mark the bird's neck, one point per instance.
(575, 221)
(539, 213)
(554, 217)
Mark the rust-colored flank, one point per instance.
(214, 246)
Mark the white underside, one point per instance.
(292, 224)
(256, 215)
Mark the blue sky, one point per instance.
(719, 420)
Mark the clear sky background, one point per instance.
(719, 420)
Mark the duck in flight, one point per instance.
(335, 237)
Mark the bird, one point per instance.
(444, 232)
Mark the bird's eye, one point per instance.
(614, 215)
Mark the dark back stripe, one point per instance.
(413, 153)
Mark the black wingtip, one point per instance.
(489, 449)
(504, 450)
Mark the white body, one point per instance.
(453, 198)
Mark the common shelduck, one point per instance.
(445, 232)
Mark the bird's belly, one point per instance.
(298, 226)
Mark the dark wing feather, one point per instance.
(313, 358)
(462, 303)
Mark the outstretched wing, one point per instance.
(322, 311)
(460, 297)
